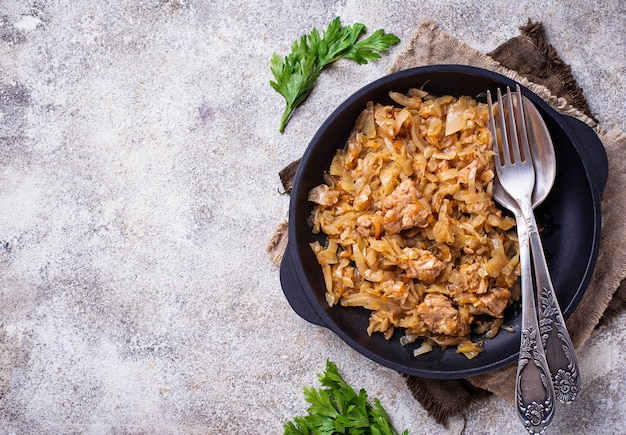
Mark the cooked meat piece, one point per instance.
(369, 225)
(438, 314)
(420, 264)
(473, 281)
(401, 209)
(493, 302)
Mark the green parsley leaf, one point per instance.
(296, 73)
(338, 409)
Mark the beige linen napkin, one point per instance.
(530, 60)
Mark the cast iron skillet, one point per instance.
(571, 216)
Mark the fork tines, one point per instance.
(508, 137)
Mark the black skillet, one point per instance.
(571, 215)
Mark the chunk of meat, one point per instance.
(402, 210)
(467, 279)
(438, 314)
(421, 264)
(493, 302)
(370, 225)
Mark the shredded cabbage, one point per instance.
(413, 234)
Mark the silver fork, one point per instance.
(534, 391)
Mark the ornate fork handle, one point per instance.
(555, 338)
(534, 391)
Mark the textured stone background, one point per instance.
(139, 155)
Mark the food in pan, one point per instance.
(412, 232)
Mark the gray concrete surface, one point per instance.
(139, 154)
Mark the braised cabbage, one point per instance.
(413, 234)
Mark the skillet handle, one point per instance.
(294, 292)
(593, 147)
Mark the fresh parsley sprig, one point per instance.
(297, 72)
(338, 409)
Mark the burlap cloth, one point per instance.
(530, 60)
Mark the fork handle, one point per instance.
(556, 340)
(534, 392)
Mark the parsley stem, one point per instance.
(286, 115)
